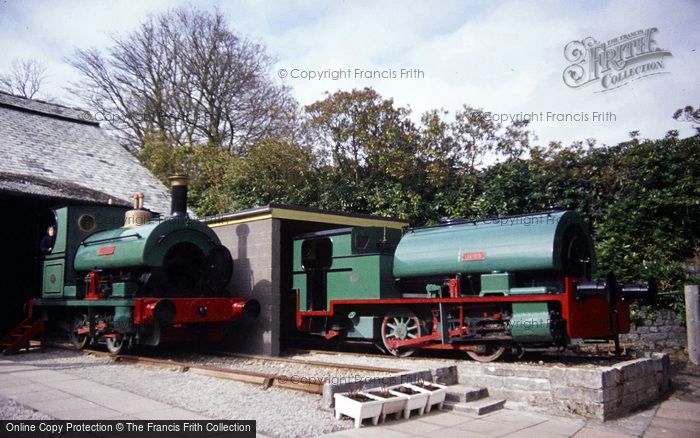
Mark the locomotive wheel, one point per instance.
(400, 324)
(79, 340)
(115, 345)
(492, 353)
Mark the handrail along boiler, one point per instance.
(120, 277)
(483, 287)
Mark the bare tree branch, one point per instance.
(25, 77)
(185, 76)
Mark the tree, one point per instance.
(185, 76)
(273, 171)
(475, 136)
(207, 165)
(370, 154)
(689, 114)
(25, 77)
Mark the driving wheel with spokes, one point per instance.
(400, 324)
(79, 331)
(491, 353)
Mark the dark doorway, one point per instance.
(23, 222)
(316, 259)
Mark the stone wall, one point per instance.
(590, 391)
(662, 332)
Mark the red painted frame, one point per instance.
(585, 319)
(187, 310)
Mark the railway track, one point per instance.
(582, 353)
(434, 357)
(312, 385)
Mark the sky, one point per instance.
(505, 57)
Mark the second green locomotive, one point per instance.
(483, 287)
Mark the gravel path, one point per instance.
(279, 412)
(11, 410)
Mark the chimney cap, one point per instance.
(179, 180)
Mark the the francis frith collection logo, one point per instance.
(615, 63)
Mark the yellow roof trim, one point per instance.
(307, 216)
(330, 218)
(240, 221)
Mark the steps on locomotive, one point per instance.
(470, 399)
(21, 336)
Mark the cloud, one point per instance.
(504, 57)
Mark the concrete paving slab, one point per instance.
(41, 376)
(171, 413)
(446, 419)
(660, 432)
(351, 433)
(679, 405)
(7, 377)
(565, 427)
(49, 407)
(671, 414)
(70, 386)
(22, 388)
(589, 432)
(41, 396)
(129, 403)
(413, 427)
(95, 391)
(529, 433)
(689, 425)
(93, 413)
(459, 432)
(488, 428)
(370, 432)
(7, 366)
(515, 417)
(123, 417)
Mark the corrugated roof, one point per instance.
(50, 150)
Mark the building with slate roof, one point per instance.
(52, 155)
(51, 151)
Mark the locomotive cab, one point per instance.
(73, 225)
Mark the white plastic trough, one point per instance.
(357, 410)
(391, 405)
(415, 401)
(436, 397)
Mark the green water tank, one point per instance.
(557, 241)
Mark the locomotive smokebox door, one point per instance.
(219, 265)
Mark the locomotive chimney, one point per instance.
(178, 195)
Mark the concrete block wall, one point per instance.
(255, 249)
(589, 391)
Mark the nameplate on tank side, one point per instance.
(473, 256)
(106, 250)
